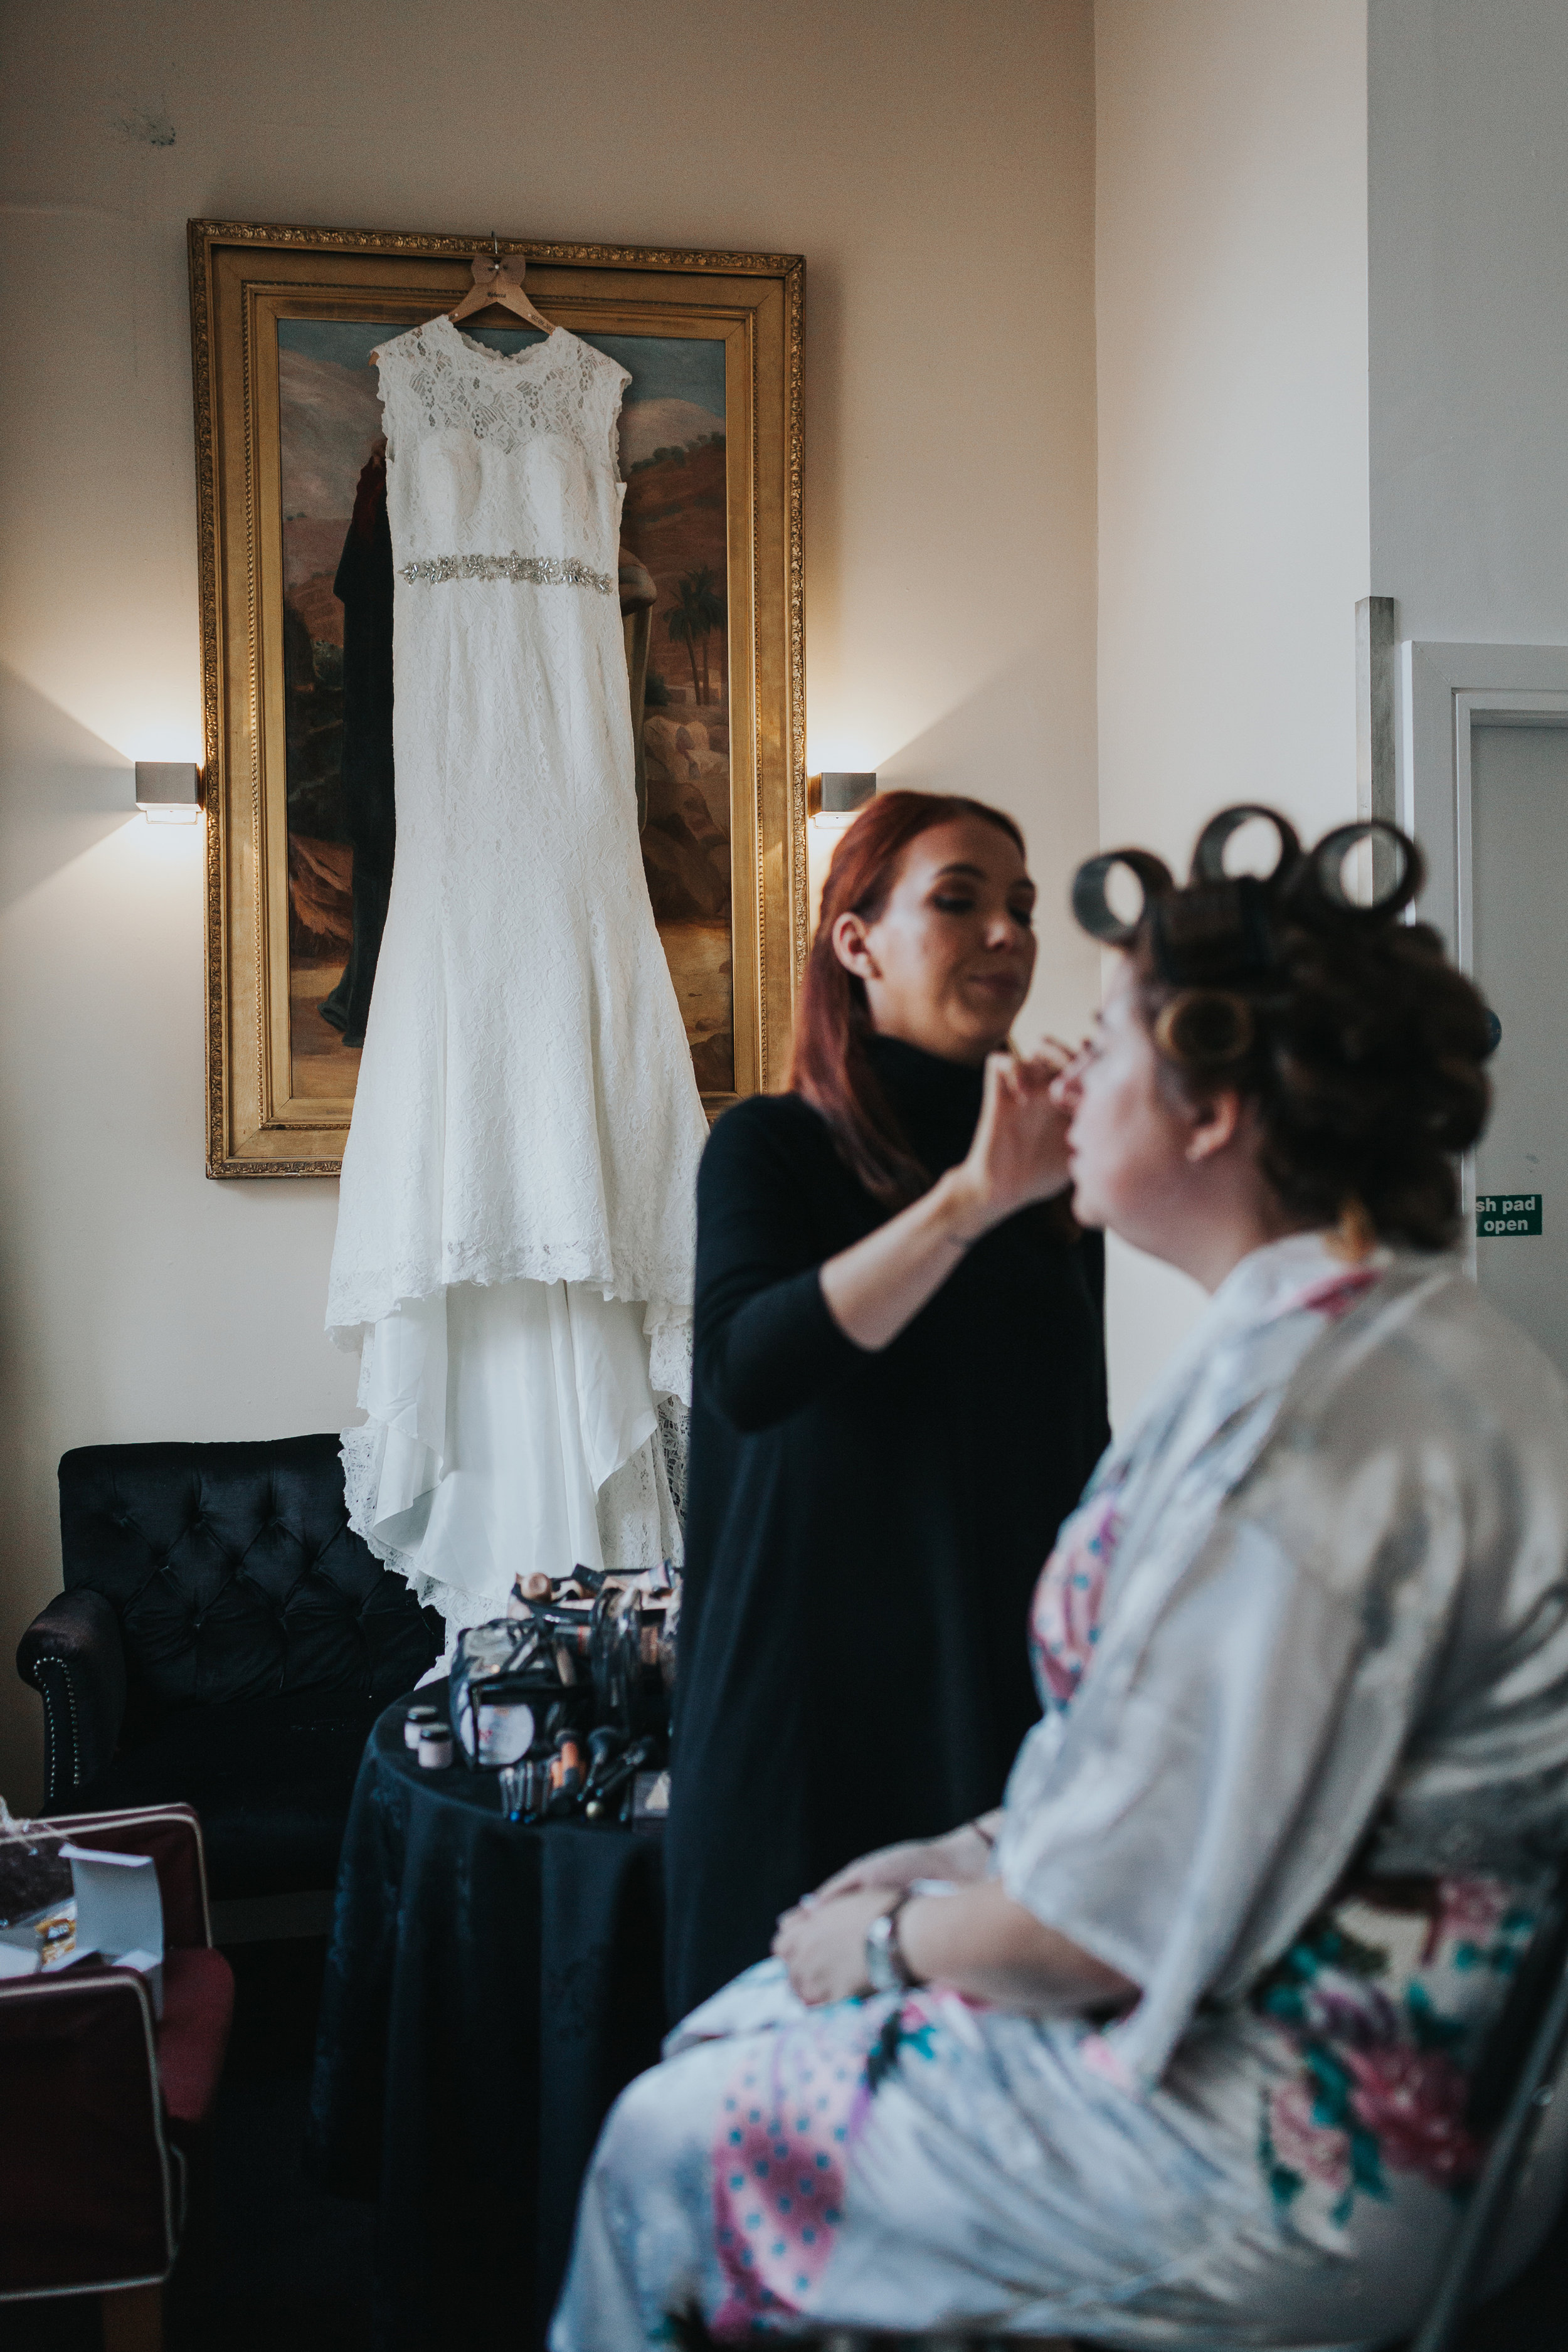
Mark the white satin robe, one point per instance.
(1302, 1774)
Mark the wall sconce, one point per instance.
(836, 798)
(169, 792)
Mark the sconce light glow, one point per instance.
(169, 792)
(837, 797)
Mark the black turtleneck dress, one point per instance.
(864, 1530)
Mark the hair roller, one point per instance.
(1213, 932)
(1092, 909)
(1208, 856)
(1221, 927)
(1204, 1029)
(1325, 871)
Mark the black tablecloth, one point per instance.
(488, 1991)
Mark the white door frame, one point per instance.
(1445, 692)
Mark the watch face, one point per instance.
(880, 1963)
(880, 1968)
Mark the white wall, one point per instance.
(1469, 236)
(1232, 355)
(934, 161)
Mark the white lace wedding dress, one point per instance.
(516, 1227)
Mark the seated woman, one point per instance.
(1174, 2049)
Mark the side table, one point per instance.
(488, 1991)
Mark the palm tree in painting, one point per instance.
(692, 622)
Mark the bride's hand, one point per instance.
(897, 1866)
(824, 1947)
(1019, 1152)
(961, 1855)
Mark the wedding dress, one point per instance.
(515, 1226)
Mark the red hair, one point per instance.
(830, 1065)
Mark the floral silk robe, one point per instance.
(1301, 1776)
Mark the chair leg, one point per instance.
(132, 2319)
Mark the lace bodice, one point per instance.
(502, 468)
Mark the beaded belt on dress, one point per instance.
(542, 571)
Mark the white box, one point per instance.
(119, 1911)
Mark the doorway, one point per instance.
(1482, 756)
(1518, 949)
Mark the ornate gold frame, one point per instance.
(244, 275)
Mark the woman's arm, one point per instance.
(978, 1941)
(770, 1338)
(765, 1343)
(1019, 1155)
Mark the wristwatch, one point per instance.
(887, 1970)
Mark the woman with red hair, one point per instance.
(899, 1393)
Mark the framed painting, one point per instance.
(288, 424)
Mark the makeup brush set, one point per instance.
(566, 1697)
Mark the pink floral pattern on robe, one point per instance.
(1384, 2053)
(1063, 1622)
(786, 2129)
(1336, 1294)
(1070, 1600)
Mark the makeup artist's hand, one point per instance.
(824, 1945)
(879, 1285)
(1019, 1154)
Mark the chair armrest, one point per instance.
(72, 1653)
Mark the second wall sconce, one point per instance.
(837, 797)
(169, 792)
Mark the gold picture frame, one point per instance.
(271, 1109)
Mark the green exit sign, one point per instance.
(1507, 1212)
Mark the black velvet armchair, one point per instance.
(223, 1640)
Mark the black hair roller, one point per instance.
(1325, 870)
(1208, 856)
(1092, 909)
(1223, 928)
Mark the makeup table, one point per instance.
(489, 1989)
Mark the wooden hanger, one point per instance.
(497, 280)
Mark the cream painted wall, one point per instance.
(1231, 307)
(934, 161)
(1468, 236)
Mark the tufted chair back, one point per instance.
(235, 1575)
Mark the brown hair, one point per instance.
(829, 1065)
(1362, 1047)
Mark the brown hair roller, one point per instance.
(1204, 1029)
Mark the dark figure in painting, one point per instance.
(364, 588)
